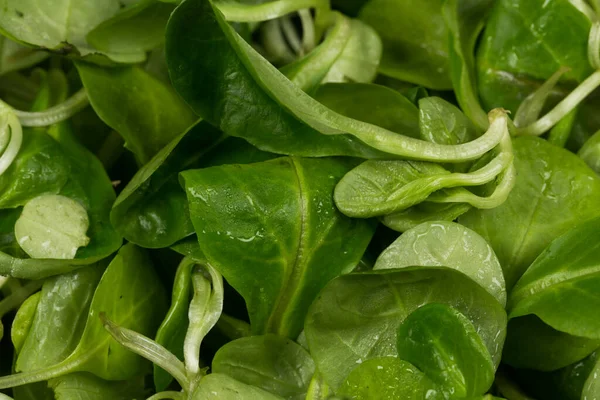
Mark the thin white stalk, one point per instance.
(308, 30)
(149, 349)
(56, 114)
(585, 9)
(563, 108)
(9, 125)
(594, 45)
(530, 109)
(205, 310)
(292, 37)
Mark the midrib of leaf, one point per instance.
(277, 321)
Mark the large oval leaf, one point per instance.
(554, 192)
(270, 362)
(356, 316)
(271, 229)
(447, 244)
(562, 286)
(444, 344)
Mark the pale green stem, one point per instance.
(594, 45)
(506, 182)
(149, 349)
(564, 107)
(204, 312)
(292, 37)
(585, 9)
(274, 43)
(9, 125)
(23, 378)
(308, 31)
(530, 108)
(56, 114)
(322, 57)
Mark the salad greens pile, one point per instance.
(300, 199)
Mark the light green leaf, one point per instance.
(52, 226)
(447, 244)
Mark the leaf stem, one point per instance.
(9, 125)
(149, 349)
(56, 114)
(23, 378)
(564, 107)
(204, 312)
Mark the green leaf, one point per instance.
(146, 112)
(561, 286)
(554, 192)
(444, 344)
(284, 119)
(85, 386)
(415, 40)
(443, 123)
(171, 333)
(447, 244)
(132, 294)
(360, 58)
(40, 167)
(52, 226)
(424, 212)
(223, 387)
(530, 343)
(14, 56)
(465, 20)
(388, 378)
(590, 152)
(65, 300)
(287, 249)
(48, 26)
(270, 362)
(52, 161)
(23, 321)
(140, 27)
(356, 316)
(524, 43)
(575, 382)
(152, 210)
(388, 108)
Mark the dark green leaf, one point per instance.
(356, 316)
(415, 40)
(530, 343)
(388, 378)
(223, 387)
(562, 285)
(446, 244)
(270, 362)
(140, 27)
(444, 344)
(554, 192)
(232, 211)
(171, 333)
(146, 112)
(65, 301)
